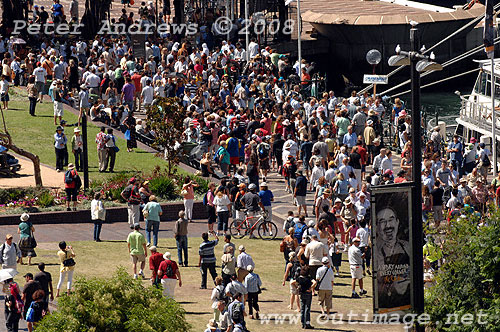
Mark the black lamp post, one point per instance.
(418, 63)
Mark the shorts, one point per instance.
(264, 164)
(71, 194)
(356, 271)
(39, 86)
(138, 258)
(305, 164)
(312, 270)
(234, 160)
(294, 289)
(325, 298)
(58, 108)
(300, 200)
(4, 97)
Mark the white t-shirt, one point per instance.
(40, 74)
(4, 86)
(363, 234)
(327, 282)
(147, 94)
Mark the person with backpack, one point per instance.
(27, 242)
(10, 254)
(36, 310)
(218, 294)
(223, 158)
(264, 152)
(237, 313)
(72, 184)
(14, 306)
(292, 273)
(132, 196)
(306, 284)
(300, 228)
(170, 274)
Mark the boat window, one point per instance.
(481, 85)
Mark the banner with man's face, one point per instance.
(391, 248)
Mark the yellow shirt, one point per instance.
(63, 255)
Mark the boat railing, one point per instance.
(478, 114)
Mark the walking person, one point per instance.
(356, 262)
(188, 194)
(29, 290)
(209, 203)
(32, 94)
(101, 140)
(152, 212)
(305, 285)
(170, 274)
(228, 265)
(252, 283)
(222, 206)
(266, 197)
(155, 259)
(324, 277)
(12, 300)
(45, 280)
(181, 240)
(27, 242)
(132, 196)
(111, 150)
(292, 273)
(77, 148)
(57, 96)
(10, 254)
(66, 256)
(60, 141)
(207, 258)
(137, 250)
(98, 214)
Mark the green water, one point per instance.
(446, 103)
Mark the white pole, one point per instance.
(228, 9)
(247, 27)
(493, 118)
(299, 40)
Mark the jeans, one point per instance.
(59, 158)
(78, 159)
(152, 225)
(223, 217)
(97, 229)
(32, 105)
(253, 302)
(182, 247)
(368, 257)
(305, 308)
(12, 321)
(203, 268)
(110, 158)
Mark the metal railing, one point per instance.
(478, 114)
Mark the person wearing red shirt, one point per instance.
(198, 67)
(363, 153)
(169, 274)
(72, 184)
(401, 177)
(305, 78)
(136, 78)
(155, 260)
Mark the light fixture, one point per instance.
(398, 61)
(426, 65)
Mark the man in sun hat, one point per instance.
(10, 254)
(169, 273)
(356, 263)
(72, 184)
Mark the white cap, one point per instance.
(311, 223)
(325, 260)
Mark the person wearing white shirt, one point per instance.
(386, 162)
(253, 48)
(325, 277)
(98, 215)
(363, 233)
(362, 205)
(147, 95)
(242, 263)
(40, 79)
(315, 251)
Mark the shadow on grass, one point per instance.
(198, 313)
(115, 241)
(270, 301)
(187, 302)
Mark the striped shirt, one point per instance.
(252, 282)
(206, 251)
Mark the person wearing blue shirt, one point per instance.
(350, 138)
(234, 152)
(266, 197)
(455, 149)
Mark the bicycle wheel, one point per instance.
(267, 230)
(238, 229)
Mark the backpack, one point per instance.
(127, 192)
(30, 314)
(295, 270)
(237, 201)
(289, 223)
(237, 313)
(221, 294)
(68, 177)
(216, 157)
(14, 291)
(486, 161)
(205, 198)
(169, 272)
(299, 231)
(263, 152)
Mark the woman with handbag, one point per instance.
(66, 257)
(27, 242)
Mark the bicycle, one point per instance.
(267, 230)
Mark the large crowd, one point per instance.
(253, 114)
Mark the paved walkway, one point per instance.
(26, 177)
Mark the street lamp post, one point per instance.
(418, 63)
(373, 57)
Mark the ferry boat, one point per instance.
(475, 119)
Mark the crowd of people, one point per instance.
(254, 114)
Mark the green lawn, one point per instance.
(35, 134)
(102, 259)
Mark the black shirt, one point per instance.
(251, 201)
(301, 186)
(44, 278)
(437, 196)
(355, 161)
(28, 291)
(305, 284)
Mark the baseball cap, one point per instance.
(29, 274)
(325, 260)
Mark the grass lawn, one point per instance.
(35, 134)
(103, 258)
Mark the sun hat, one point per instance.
(25, 217)
(76, 130)
(241, 248)
(71, 166)
(325, 260)
(356, 239)
(212, 325)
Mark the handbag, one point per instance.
(117, 149)
(282, 245)
(68, 262)
(127, 135)
(33, 243)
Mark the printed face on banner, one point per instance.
(392, 252)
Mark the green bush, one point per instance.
(202, 185)
(119, 303)
(45, 199)
(163, 187)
